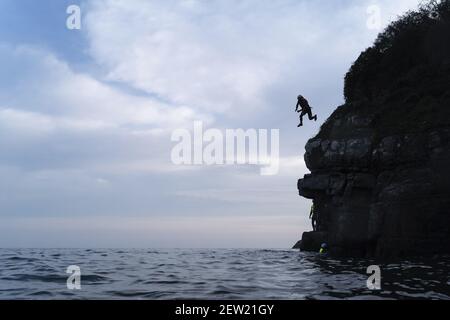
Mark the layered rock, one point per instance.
(380, 166)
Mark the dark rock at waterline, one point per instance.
(380, 165)
(298, 245)
(312, 241)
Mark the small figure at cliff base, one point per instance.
(313, 217)
(304, 108)
(323, 248)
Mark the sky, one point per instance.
(86, 116)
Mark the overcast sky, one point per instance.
(86, 116)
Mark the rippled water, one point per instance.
(212, 274)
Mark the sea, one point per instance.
(232, 274)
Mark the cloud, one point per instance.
(44, 85)
(53, 116)
(226, 56)
(90, 149)
(186, 52)
(214, 55)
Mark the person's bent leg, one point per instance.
(311, 117)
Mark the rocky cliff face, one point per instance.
(380, 166)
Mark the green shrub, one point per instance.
(419, 39)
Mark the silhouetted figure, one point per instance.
(313, 217)
(305, 110)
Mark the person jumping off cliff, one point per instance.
(304, 109)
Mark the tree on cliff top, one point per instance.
(416, 44)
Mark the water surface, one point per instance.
(212, 274)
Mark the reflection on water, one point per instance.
(213, 274)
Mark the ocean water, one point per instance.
(212, 274)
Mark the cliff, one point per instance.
(380, 165)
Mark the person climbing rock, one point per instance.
(313, 217)
(304, 108)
